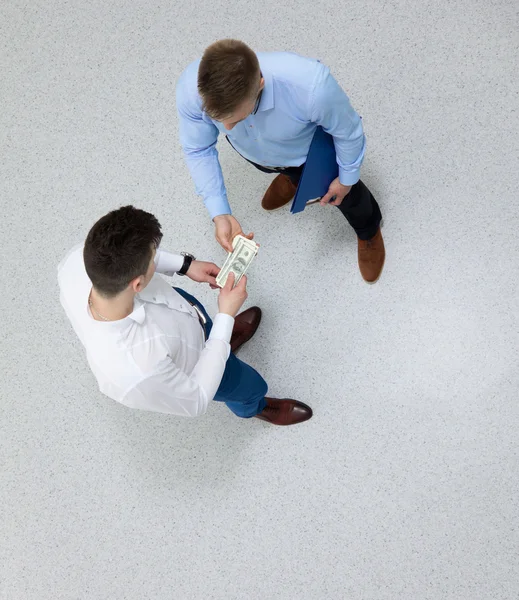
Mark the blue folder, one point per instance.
(319, 171)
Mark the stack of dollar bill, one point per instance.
(238, 261)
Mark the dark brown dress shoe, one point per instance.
(285, 412)
(372, 255)
(245, 326)
(279, 193)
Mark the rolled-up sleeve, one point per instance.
(198, 139)
(331, 108)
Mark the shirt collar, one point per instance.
(139, 313)
(267, 98)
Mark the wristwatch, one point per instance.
(188, 259)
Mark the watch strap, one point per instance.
(188, 259)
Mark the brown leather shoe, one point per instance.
(279, 193)
(372, 255)
(245, 325)
(285, 412)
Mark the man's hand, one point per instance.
(203, 272)
(227, 228)
(336, 189)
(231, 300)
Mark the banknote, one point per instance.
(238, 261)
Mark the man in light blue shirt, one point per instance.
(268, 105)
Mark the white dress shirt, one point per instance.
(156, 358)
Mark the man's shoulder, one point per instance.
(190, 73)
(291, 67)
(71, 268)
(187, 85)
(70, 255)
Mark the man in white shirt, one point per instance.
(154, 347)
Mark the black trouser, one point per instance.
(359, 207)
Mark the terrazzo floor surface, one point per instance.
(404, 486)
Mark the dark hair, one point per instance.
(119, 248)
(229, 73)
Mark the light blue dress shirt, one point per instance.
(299, 94)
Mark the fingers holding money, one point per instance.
(238, 261)
(211, 273)
(229, 284)
(227, 229)
(241, 286)
(232, 297)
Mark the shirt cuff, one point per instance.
(222, 327)
(349, 177)
(217, 206)
(168, 263)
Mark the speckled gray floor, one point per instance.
(404, 486)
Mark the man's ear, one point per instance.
(137, 284)
(262, 84)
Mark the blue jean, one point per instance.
(242, 388)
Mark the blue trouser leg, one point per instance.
(242, 388)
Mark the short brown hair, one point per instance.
(227, 76)
(119, 248)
